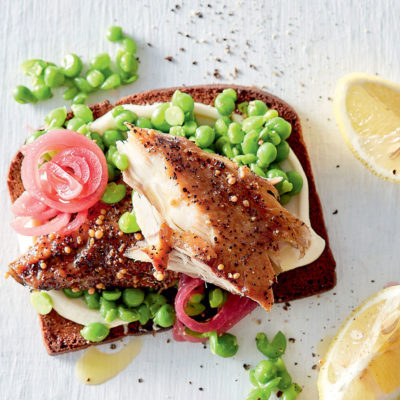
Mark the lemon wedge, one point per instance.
(363, 360)
(367, 111)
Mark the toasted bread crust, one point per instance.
(61, 335)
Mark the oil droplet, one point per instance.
(96, 367)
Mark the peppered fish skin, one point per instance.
(91, 257)
(203, 215)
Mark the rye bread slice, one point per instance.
(62, 336)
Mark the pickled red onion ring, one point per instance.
(75, 223)
(53, 225)
(179, 334)
(26, 206)
(234, 309)
(69, 143)
(60, 181)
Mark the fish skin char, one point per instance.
(90, 262)
(245, 234)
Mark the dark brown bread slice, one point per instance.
(61, 335)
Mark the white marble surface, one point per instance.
(298, 50)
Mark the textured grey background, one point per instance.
(296, 50)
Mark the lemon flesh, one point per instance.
(363, 361)
(367, 110)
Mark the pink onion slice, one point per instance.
(234, 309)
(26, 206)
(53, 225)
(65, 141)
(75, 223)
(60, 181)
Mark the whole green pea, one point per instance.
(100, 62)
(250, 143)
(282, 127)
(266, 135)
(266, 153)
(143, 122)
(283, 150)
(158, 118)
(224, 345)
(131, 79)
(165, 316)
(231, 93)
(40, 90)
(125, 116)
(128, 45)
(174, 116)
(111, 136)
(55, 117)
(265, 371)
(75, 123)
(127, 223)
(95, 332)
(190, 128)
(270, 114)
(183, 100)
(128, 63)
(252, 123)
(73, 294)
(220, 127)
(41, 302)
(71, 65)
(128, 315)
(144, 314)
(111, 295)
(114, 33)
(224, 104)
(83, 112)
(112, 82)
(80, 98)
(83, 85)
(53, 77)
(235, 133)
(205, 135)
(92, 300)
(217, 298)
(193, 309)
(133, 297)
(121, 161)
(113, 193)
(70, 93)
(296, 180)
(95, 78)
(256, 107)
(23, 95)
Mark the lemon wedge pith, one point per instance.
(367, 111)
(363, 360)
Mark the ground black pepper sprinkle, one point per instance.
(201, 389)
(113, 346)
(140, 380)
(169, 58)
(217, 74)
(246, 366)
(335, 212)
